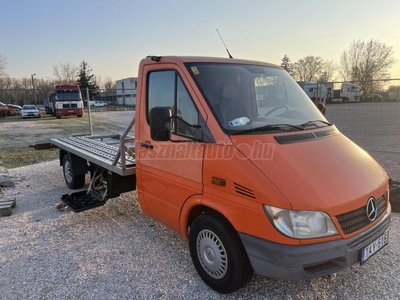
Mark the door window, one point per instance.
(166, 89)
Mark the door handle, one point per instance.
(146, 145)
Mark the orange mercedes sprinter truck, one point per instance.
(233, 155)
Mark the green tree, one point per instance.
(287, 65)
(86, 79)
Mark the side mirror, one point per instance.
(160, 120)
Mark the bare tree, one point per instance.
(308, 68)
(328, 71)
(3, 64)
(105, 83)
(65, 73)
(5, 83)
(364, 62)
(344, 69)
(109, 84)
(109, 90)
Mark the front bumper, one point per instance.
(69, 112)
(30, 115)
(299, 262)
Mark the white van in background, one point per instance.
(97, 103)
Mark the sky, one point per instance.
(113, 36)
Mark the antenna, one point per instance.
(230, 56)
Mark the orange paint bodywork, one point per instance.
(330, 174)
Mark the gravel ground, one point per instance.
(115, 252)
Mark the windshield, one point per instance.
(246, 97)
(29, 107)
(68, 95)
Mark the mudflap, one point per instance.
(83, 200)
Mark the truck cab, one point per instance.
(350, 92)
(234, 156)
(317, 92)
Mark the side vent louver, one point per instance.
(244, 191)
(302, 137)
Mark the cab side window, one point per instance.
(166, 89)
(160, 90)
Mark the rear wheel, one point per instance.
(72, 181)
(218, 254)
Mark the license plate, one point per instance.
(374, 247)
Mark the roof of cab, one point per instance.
(204, 59)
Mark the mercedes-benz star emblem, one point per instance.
(371, 209)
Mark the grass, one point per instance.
(14, 159)
(15, 139)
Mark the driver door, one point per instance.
(170, 171)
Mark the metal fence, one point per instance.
(126, 97)
(373, 122)
(371, 91)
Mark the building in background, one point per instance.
(126, 91)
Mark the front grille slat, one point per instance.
(357, 219)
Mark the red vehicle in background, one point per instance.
(66, 100)
(7, 110)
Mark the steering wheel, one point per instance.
(283, 106)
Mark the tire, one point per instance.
(72, 181)
(218, 254)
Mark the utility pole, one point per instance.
(33, 87)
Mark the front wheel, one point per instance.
(218, 254)
(72, 181)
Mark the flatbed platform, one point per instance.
(104, 151)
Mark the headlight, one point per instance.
(301, 224)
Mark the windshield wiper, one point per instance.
(270, 127)
(313, 123)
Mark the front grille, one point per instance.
(357, 219)
(69, 105)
